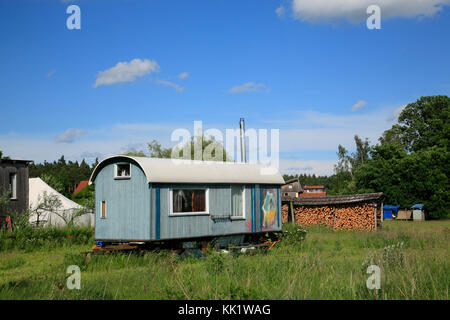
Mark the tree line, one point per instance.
(62, 175)
(409, 164)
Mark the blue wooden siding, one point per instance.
(137, 210)
(217, 221)
(127, 205)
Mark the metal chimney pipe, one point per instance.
(243, 149)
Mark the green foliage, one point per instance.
(4, 202)
(327, 265)
(410, 164)
(135, 153)
(28, 238)
(292, 235)
(309, 179)
(61, 175)
(210, 150)
(215, 263)
(2, 156)
(426, 123)
(393, 255)
(85, 197)
(157, 151)
(53, 182)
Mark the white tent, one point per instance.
(37, 191)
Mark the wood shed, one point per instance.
(148, 199)
(14, 180)
(359, 211)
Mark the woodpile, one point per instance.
(284, 213)
(350, 212)
(349, 217)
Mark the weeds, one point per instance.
(324, 265)
(29, 238)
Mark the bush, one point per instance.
(292, 235)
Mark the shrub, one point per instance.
(292, 235)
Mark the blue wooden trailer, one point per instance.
(149, 200)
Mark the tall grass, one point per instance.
(325, 264)
(28, 238)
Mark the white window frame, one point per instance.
(197, 213)
(243, 217)
(13, 195)
(115, 171)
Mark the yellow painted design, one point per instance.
(269, 218)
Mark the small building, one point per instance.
(292, 188)
(14, 181)
(78, 187)
(404, 214)
(390, 211)
(148, 199)
(418, 213)
(313, 191)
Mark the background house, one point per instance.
(14, 180)
(83, 184)
(313, 191)
(292, 188)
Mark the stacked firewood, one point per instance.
(349, 216)
(284, 213)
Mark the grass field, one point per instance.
(325, 265)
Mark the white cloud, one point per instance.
(126, 72)
(69, 135)
(318, 167)
(358, 105)
(354, 11)
(316, 131)
(169, 84)
(183, 75)
(280, 11)
(394, 115)
(247, 87)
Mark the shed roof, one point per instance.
(331, 200)
(14, 161)
(195, 171)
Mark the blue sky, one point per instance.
(298, 66)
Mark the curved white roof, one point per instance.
(194, 171)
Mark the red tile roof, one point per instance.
(81, 186)
(313, 194)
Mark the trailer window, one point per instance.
(103, 209)
(122, 171)
(189, 201)
(237, 202)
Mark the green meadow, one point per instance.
(310, 263)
